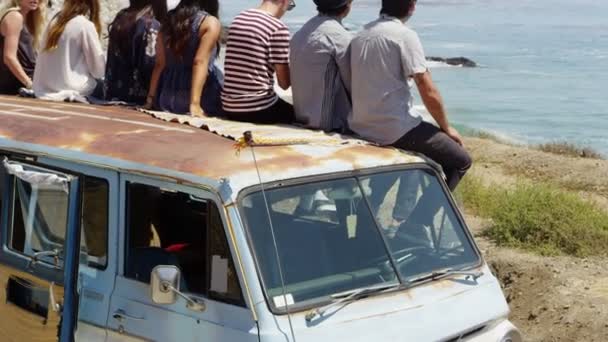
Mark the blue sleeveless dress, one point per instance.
(176, 80)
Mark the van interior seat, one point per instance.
(303, 248)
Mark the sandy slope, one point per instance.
(588, 175)
(551, 298)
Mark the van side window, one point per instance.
(95, 202)
(166, 227)
(224, 282)
(39, 219)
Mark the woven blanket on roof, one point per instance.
(263, 135)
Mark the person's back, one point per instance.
(185, 79)
(131, 55)
(381, 87)
(386, 60)
(320, 68)
(72, 60)
(176, 83)
(258, 45)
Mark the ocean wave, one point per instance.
(464, 128)
(424, 113)
(426, 25)
(437, 65)
(457, 45)
(536, 73)
(297, 20)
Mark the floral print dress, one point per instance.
(128, 71)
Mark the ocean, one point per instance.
(543, 74)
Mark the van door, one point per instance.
(99, 253)
(40, 250)
(168, 224)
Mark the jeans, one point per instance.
(435, 144)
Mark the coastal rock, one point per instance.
(456, 61)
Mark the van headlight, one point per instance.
(512, 336)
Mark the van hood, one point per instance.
(435, 311)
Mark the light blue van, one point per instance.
(119, 226)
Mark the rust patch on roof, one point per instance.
(129, 135)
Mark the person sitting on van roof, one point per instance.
(186, 78)
(72, 60)
(386, 55)
(21, 24)
(320, 68)
(132, 50)
(257, 47)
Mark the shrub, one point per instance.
(475, 133)
(538, 217)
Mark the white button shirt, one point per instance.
(71, 70)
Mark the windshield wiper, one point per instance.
(447, 272)
(350, 296)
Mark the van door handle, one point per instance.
(120, 315)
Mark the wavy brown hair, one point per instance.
(34, 21)
(176, 29)
(71, 9)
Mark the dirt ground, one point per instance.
(578, 174)
(551, 298)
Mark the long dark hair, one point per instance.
(120, 29)
(176, 29)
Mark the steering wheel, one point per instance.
(400, 256)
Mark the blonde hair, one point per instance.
(71, 9)
(34, 21)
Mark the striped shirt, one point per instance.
(256, 41)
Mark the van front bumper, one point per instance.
(504, 331)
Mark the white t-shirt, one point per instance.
(384, 57)
(71, 70)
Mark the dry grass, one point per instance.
(569, 149)
(556, 147)
(538, 217)
(475, 133)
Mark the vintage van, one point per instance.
(118, 225)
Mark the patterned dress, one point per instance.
(128, 70)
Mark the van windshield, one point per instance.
(349, 233)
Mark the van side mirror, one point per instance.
(164, 284)
(164, 279)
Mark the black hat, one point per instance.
(326, 5)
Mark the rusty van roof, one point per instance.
(125, 139)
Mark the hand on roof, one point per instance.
(149, 103)
(196, 110)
